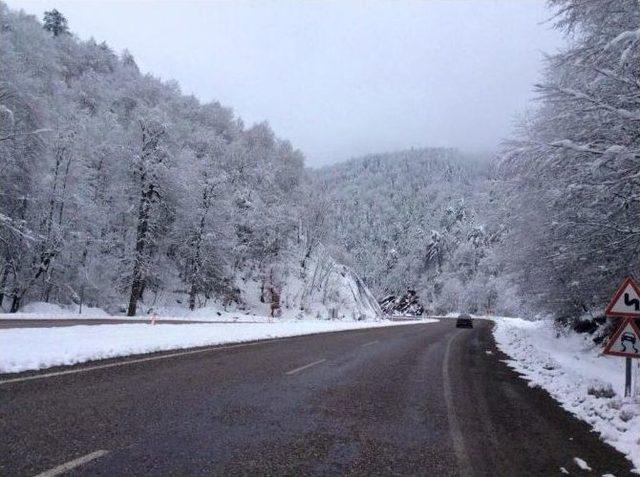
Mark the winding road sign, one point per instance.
(625, 341)
(626, 301)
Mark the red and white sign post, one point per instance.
(625, 342)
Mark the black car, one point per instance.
(464, 321)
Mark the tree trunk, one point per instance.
(47, 287)
(137, 284)
(54, 187)
(197, 265)
(61, 152)
(63, 191)
(3, 280)
(15, 304)
(84, 273)
(45, 261)
(150, 140)
(193, 291)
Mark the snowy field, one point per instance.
(570, 367)
(37, 348)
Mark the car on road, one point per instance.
(464, 321)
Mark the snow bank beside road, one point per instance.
(213, 312)
(571, 368)
(48, 311)
(41, 310)
(23, 349)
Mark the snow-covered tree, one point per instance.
(55, 22)
(571, 171)
(408, 221)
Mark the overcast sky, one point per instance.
(339, 78)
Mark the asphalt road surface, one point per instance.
(420, 399)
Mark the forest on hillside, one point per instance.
(571, 195)
(120, 192)
(417, 220)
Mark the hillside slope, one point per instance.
(416, 220)
(120, 192)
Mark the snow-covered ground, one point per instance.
(40, 310)
(25, 349)
(214, 312)
(47, 311)
(575, 373)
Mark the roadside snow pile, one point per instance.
(49, 311)
(36, 310)
(571, 368)
(25, 349)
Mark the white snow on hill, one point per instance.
(575, 373)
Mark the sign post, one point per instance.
(625, 341)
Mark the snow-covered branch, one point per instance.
(579, 95)
(16, 135)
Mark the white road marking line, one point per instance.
(72, 464)
(370, 343)
(454, 426)
(124, 363)
(302, 368)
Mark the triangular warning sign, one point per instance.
(625, 341)
(626, 301)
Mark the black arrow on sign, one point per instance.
(635, 302)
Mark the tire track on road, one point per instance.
(455, 431)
